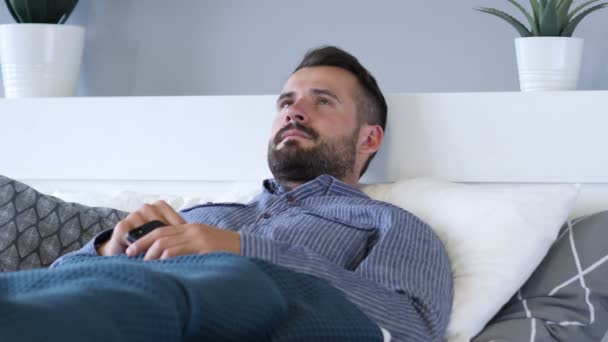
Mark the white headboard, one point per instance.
(171, 144)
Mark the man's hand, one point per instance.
(159, 210)
(172, 241)
(178, 238)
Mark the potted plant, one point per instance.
(39, 55)
(548, 57)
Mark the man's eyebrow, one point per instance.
(315, 91)
(327, 93)
(285, 95)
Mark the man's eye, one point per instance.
(285, 104)
(324, 101)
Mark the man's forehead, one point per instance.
(333, 79)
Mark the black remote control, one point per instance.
(135, 234)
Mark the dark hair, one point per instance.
(371, 104)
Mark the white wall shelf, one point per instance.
(469, 137)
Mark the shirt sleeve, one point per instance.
(90, 248)
(404, 284)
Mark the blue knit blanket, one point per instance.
(214, 297)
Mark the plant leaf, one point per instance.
(20, 7)
(54, 11)
(523, 31)
(13, 12)
(528, 16)
(569, 30)
(28, 12)
(68, 9)
(562, 13)
(536, 11)
(562, 3)
(548, 21)
(579, 8)
(37, 11)
(41, 11)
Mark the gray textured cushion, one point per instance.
(566, 299)
(35, 229)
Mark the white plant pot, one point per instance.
(548, 63)
(40, 60)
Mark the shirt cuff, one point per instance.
(258, 247)
(100, 238)
(90, 248)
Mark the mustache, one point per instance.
(294, 125)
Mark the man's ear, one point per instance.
(370, 138)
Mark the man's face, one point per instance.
(316, 128)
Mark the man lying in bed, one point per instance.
(311, 217)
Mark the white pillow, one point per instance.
(495, 237)
(130, 201)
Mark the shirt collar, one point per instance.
(323, 185)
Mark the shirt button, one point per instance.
(265, 215)
(290, 199)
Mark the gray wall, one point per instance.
(210, 47)
(215, 47)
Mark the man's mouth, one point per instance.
(294, 134)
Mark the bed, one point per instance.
(80, 148)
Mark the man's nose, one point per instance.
(297, 113)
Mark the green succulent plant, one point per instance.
(41, 11)
(549, 18)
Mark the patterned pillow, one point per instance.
(35, 229)
(566, 299)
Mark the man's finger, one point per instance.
(160, 246)
(152, 212)
(173, 218)
(177, 250)
(145, 242)
(132, 221)
(118, 242)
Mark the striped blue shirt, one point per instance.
(384, 259)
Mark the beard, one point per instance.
(334, 156)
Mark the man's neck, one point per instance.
(290, 185)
